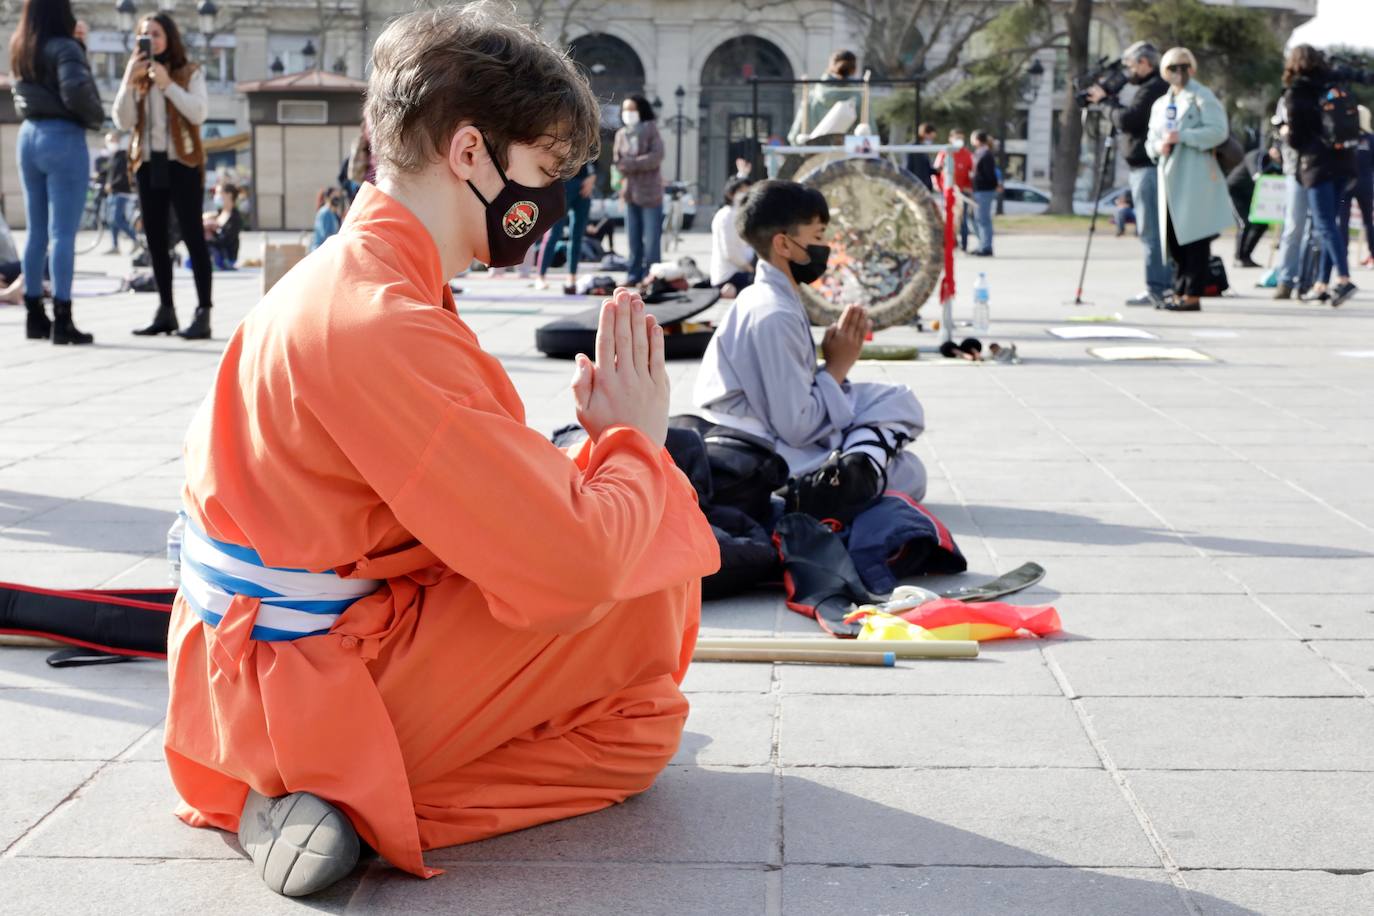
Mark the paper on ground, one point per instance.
(1116, 354)
(1101, 332)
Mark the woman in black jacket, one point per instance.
(1322, 169)
(57, 98)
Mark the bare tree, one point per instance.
(1067, 151)
(563, 16)
(904, 38)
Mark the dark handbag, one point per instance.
(1216, 278)
(159, 172)
(1229, 154)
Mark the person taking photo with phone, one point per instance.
(163, 101)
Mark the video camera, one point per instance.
(1342, 68)
(1106, 73)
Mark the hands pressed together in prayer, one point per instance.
(628, 383)
(844, 340)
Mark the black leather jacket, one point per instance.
(1133, 120)
(63, 88)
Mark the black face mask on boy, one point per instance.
(814, 268)
(518, 216)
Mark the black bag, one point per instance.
(1229, 154)
(745, 470)
(1216, 278)
(1340, 119)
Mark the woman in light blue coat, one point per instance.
(1186, 124)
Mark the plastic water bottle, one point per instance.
(174, 550)
(982, 314)
(1171, 116)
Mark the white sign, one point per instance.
(1270, 200)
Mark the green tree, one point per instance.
(1239, 56)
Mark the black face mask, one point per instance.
(812, 270)
(518, 216)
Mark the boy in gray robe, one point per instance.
(760, 373)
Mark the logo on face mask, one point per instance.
(520, 218)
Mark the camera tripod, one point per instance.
(1108, 144)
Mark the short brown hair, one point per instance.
(1302, 60)
(434, 70)
(843, 63)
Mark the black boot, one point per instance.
(199, 328)
(63, 331)
(36, 326)
(164, 322)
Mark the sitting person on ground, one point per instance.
(1124, 214)
(760, 374)
(11, 282)
(732, 260)
(406, 619)
(331, 204)
(223, 228)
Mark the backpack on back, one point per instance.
(1340, 119)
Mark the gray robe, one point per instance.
(760, 374)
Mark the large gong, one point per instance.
(886, 241)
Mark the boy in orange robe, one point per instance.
(405, 617)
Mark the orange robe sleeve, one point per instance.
(435, 427)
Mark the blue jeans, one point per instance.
(644, 225)
(575, 221)
(54, 165)
(1292, 243)
(985, 200)
(1159, 276)
(1323, 201)
(119, 218)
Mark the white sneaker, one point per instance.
(1143, 298)
(540, 283)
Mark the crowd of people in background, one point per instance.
(153, 183)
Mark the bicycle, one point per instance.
(673, 214)
(95, 218)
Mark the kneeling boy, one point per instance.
(405, 617)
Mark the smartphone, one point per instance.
(145, 46)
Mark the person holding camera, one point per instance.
(1186, 124)
(1325, 166)
(1141, 61)
(163, 101)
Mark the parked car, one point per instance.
(1106, 204)
(1019, 198)
(613, 207)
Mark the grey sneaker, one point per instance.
(1143, 298)
(1283, 291)
(299, 843)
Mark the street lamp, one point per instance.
(207, 11)
(127, 11)
(678, 95)
(1028, 83)
(277, 68)
(340, 66)
(308, 52)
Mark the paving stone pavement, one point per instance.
(1198, 741)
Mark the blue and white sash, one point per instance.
(295, 602)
